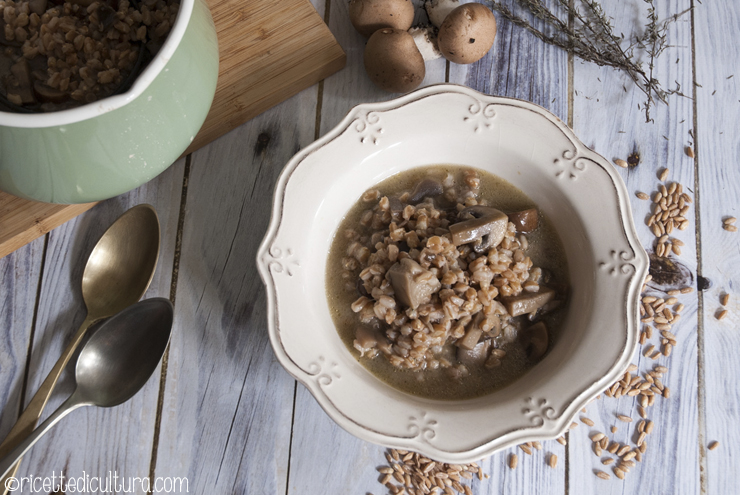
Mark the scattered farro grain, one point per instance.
(663, 175)
(623, 450)
(667, 349)
(586, 421)
(597, 437)
(613, 448)
(537, 445)
(602, 475)
(552, 461)
(721, 314)
(573, 425)
(729, 228)
(624, 418)
(649, 427)
(646, 351)
(620, 163)
(713, 445)
(562, 441)
(618, 473)
(525, 449)
(642, 195)
(729, 220)
(724, 299)
(629, 455)
(513, 460)
(607, 461)
(641, 438)
(638, 455)
(642, 448)
(632, 368)
(690, 152)
(673, 292)
(687, 290)
(613, 429)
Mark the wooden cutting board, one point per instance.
(269, 50)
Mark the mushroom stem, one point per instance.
(487, 225)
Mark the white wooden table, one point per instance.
(224, 414)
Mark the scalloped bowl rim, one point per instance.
(432, 424)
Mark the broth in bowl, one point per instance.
(447, 282)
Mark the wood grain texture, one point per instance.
(718, 111)
(22, 221)
(19, 281)
(268, 51)
(521, 66)
(93, 440)
(607, 119)
(228, 404)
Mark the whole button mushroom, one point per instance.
(367, 16)
(467, 33)
(393, 62)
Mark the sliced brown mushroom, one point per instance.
(525, 221)
(488, 227)
(412, 284)
(475, 356)
(472, 333)
(38, 7)
(527, 302)
(535, 340)
(427, 188)
(47, 93)
(367, 338)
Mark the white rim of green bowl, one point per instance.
(105, 105)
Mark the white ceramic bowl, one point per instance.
(528, 146)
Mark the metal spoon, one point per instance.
(116, 275)
(113, 365)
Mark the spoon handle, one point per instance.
(67, 407)
(30, 416)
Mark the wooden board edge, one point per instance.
(45, 218)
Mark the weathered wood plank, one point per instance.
(19, 282)
(353, 469)
(718, 111)
(228, 403)
(607, 118)
(521, 66)
(96, 441)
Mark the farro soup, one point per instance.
(59, 54)
(447, 282)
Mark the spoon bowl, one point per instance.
(120, 357)
(113, 365)
(121, 266)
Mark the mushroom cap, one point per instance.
(367, 16)
(467, 33)
(393, 61)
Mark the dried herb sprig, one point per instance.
(581, 27)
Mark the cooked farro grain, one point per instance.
(713, 445)
(724, 299)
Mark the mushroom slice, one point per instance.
(528, 302)
(475, 356)
(427, 188)
(525, 221)
(535, 340)
(366, 339)
(47, 93)
(412, 284)
(472, 333)
(488, 224)
(22, 73)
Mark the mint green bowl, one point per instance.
(111, 146)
